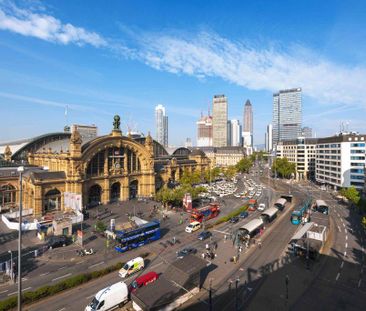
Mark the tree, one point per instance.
(244, 165)
(351, 194)
(230, 172)
(283, 167)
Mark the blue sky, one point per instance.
(124, 57)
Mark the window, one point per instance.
(357, 164)
(358, 145)
(357, 158)
(360, 177)
(358, 171)
(101, 305)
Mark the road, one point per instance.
(163, 255)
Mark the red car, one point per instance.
(143, 280)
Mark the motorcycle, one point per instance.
(84, 252)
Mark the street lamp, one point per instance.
(11, 264)
(20, 170)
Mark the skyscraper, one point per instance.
(248, 125)
(161, 122)
(219, 121)
(287, 115)
(204, 131)
(235, 133)
(268, 138)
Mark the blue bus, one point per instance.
(136, 237)
(300, 211)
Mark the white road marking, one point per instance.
(338, 275)
(341, 220)
(359, 283)
(61, 277)
(342, 264)
(97, 264)
(339, 228)
(43, 274)
(345, 253)
(346, 237)
(346, 245)
(12, 293)
(223, 232)
(62, 309)
(344, 225)
(345, 230)
(26, 289)
(24, 279)
(4, 291)
(78, 263)
(61, 268)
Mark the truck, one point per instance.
(205, 213)
(109, 298)
(252, 205)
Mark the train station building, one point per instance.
(61, 168)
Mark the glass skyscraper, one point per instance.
(287, 115)
(161, 122)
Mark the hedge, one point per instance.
(49, 290)
(231, 215)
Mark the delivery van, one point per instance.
(143, 280)
(193, 226)
(131, 267)
(109, 298)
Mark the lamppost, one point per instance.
(287, 279)
(20, 170)
(236, 294)
(11, 264)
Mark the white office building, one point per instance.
(268, 138)
(161, 123)
(219, 121)
(235, 133)
(340, 160)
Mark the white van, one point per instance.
(132, 266)
(193, 226)
(109, 298)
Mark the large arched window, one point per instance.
(52, 200)
(96, 165)
(7, 195)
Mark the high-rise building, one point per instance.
(188, 143)
(287, 115)
(204, 131)
(248, 118)
(235, 133)
(219, 121)
(268, 138)
(307, 132)
(161, 122)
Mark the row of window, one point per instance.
(357, 158)
(357, 170)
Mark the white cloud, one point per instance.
(210, 55)
(46, 27)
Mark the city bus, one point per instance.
(280, 204)
(251, 229)
(301, 212)
(321, 207)
(269, 215)
(136, 237)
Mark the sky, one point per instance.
(101, 58)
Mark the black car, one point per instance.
(204, 235)
(185, 251)
(234, 220)
(244, 215)
(57, 241)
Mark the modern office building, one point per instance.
(248, 119)
(302, 152)
(287, 115)
(340, 160)
(87, 132)
(268, 138)
(204, 131)
(161, 122)
(307, 132)
(235, 133)
(219, 120)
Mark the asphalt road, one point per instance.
(79, 297)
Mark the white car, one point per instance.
(193, 226)
(261, 207)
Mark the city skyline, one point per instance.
(96, 68)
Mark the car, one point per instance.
(244, 215)
(186, 251)
(193, 226)
(204, 235)
(57, 241)
(234, 220)
(261, 207)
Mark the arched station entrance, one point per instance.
(115, 192)
(95, 194)
(134, 189)
(52, 200)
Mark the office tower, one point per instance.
(161, 122)
(219, 121)
(268, 138)
(204, 131)
(307, 132)
(87, 132)
(287, 115)
(248, 119)
(235, 133)
(188, 142)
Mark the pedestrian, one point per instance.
(215, 245)
(203, 255)
(174, 240)
(207, 246)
